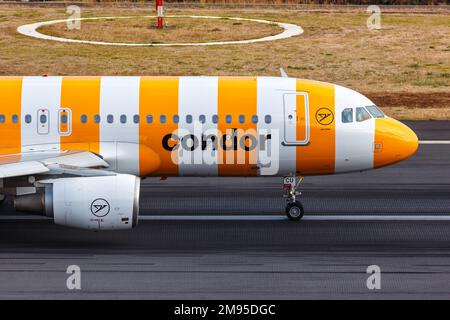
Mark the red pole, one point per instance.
(160, 14)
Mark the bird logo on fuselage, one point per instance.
(324, 116)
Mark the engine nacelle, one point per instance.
(92, 203)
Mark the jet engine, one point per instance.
(91, 203)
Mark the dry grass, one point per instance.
(141, 29)
(408, 58)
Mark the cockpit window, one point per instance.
(362, 114)
(375, 112)
(347, 115)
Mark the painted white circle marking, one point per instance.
(289, 30)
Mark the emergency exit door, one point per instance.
(296, 119)
(65, 122)
(43, 120)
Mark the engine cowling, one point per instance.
(91, 203)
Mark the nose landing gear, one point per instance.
(294, 208)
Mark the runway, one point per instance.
(228, 239)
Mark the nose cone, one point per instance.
(394, 142)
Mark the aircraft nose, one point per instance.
(394, 142)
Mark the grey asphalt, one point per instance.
(253, 259)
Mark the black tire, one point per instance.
(294, 211)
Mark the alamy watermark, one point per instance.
(374, 20)
(74, 22)
(73, 282)
(374, 280)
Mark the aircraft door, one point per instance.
(65, 122)
(296, 119)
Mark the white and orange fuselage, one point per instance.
(164, 126)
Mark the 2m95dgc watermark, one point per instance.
(226, 310)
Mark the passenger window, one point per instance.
(123, 118)
(228, 118)
(84, 118)
(215, 118)
(202, 118)
(254, 118)
(149, 118)
(43, 119)
(268, 119)
(136, 119)
(28, 118)
(176, 118)
(97, 118)
(162, 118)
(110, 118)
(188, 118)
(15, 118)
(241, 119)
(2, 118)
(375, 112)
(362, 114)
(347, 115)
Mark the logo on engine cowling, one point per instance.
(100, 207)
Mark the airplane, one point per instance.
(75, 148)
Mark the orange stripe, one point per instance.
(318, 156)
(300, 124)
(82, 96)
(63, 126)
(237, 96)
(11, 102)
(158, 96)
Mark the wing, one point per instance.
(42, 162)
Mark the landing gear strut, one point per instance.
(294, 208)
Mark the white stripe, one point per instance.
(270, 102)
(306, 218)
(197, 96)
(262, 218)
(119, 143)
(354, 141)
(434, 142)
(40, 93)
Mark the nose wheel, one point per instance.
(294, 211)
(294, 208)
